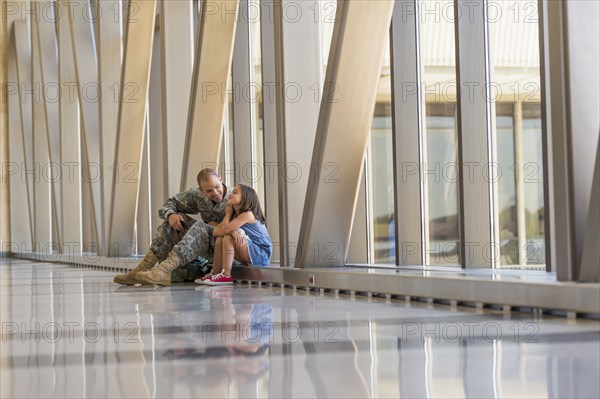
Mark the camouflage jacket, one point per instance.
(193, 202)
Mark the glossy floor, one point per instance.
(71, 332)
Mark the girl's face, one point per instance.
(235, 198)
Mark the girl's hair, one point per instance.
(250, 202)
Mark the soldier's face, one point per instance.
(213, 188)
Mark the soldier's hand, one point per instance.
(176, 221)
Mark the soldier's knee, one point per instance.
(164, 229)
(196, 229)
(162, 226)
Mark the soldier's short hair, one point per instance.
(205, 174)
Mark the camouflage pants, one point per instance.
(194, 240)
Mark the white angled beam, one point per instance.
(22, 32)
(18, 215)
(212, 63)
(86, 68)
(131, 123)
(271, 204)
(41, 193)
(243, 112)
(589, 271)
(51, 93)
(570, 73)
(412, 233)
(357, 49)
(154, 156)
(109, 49)
(142, 221)
(299, 87)
(5, 233)
(477, 137)
(177, 57)
(583, 43)
(69, 131)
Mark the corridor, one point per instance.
(72, 332)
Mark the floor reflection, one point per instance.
(241, 341)
(222, 347)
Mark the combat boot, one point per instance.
(146, 264)
(161, 274)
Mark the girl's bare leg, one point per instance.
(218, 259)
(228, 254)
(241, 252)
(232, 250)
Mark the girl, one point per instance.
(241, 235)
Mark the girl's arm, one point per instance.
(227, 218)
(227, 226)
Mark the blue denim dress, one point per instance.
(260, 246)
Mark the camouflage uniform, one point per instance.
(196, 238)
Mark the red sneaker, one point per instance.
(220, 279)
(203, 280)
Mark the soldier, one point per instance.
(181, 239)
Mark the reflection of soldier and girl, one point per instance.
(223, 344)
(232, 227)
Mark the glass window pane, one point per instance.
(229, 178)
(381, 174)
(533, 186)
(326, 13)
(437, 46)
(256, 95)
(507, 220)
(514, 53)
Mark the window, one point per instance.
(381, 174)
(516, 91)
(440, 167)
